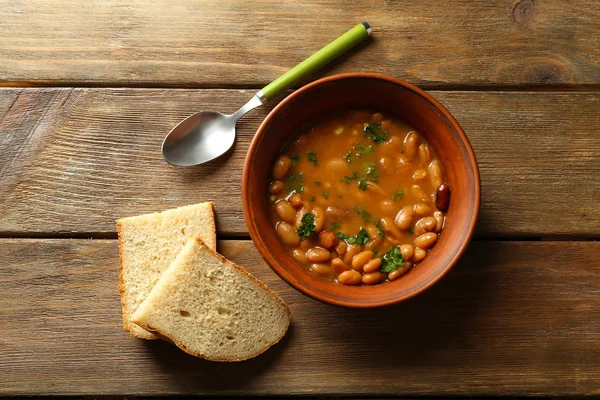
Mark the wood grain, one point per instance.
(215, 43)
(73, 161)
(512, 318)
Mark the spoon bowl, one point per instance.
(199, 138)
(204, 136)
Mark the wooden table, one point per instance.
(90, 89)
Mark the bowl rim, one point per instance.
(249, 214)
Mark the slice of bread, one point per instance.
(149, 243)
(212, 308)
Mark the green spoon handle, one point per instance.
(315, 62)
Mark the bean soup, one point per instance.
(358, 197)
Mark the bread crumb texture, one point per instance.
(212, 308)
(147, 246)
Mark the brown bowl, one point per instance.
(391, 96)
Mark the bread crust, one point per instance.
(126, 323)
(121, 284)
(213, 223)
(204, 356)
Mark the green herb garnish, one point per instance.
(335, 226)
(374, 132)
(366, 216)
(371, 175)
(398, 194)
(362, 184)
(312, 198)
(373, 172)
(410, 231)
(348, 179)
(362, 149)
(312, 157)
(348, 157)
(307, 226)
(362, 237)
(392, 260)
(381, 231)
(294, 180)
(348, 239)
(295, 158)
(325, 194)
(318, 183)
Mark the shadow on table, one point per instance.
(189, 372)
(416, 332)
(427, 329)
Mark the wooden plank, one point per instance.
(235, 42)
(513, 318)
(25, 120)
(7, 101)
(95, 156)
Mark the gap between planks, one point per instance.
(232, 237)
(215, 86)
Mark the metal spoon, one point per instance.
(206, 135)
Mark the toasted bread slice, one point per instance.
(213, 309)
(149, 243)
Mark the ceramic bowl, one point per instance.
(392, 97)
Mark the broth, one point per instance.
(358, 192)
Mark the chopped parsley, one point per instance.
(335, 226)
(325, 194)
(361, 238)
(318, 183)
(362, 149)
(362, 184)
(348, 179)
(371, 175)
(312, 198)
(366, 216)
(294, 179)
(295, 158)
(398, 194)
(410, 231)
(374, 132)
(312, 157)
(375, 251)
(392, 260)
(381, 231)
(307, 226)
(348, 157)
(294, 183)
(348, 239)
(373, 172)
